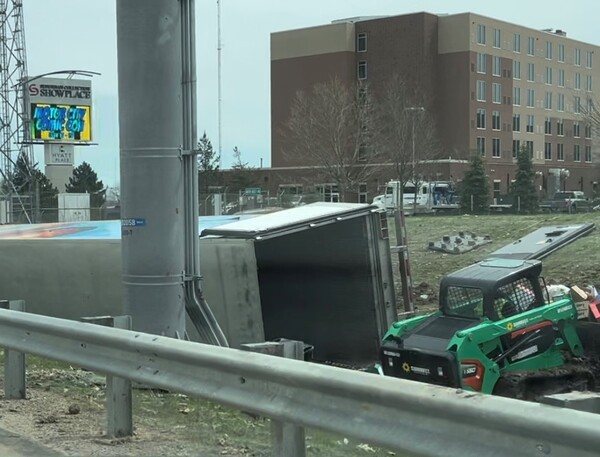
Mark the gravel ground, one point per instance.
(64, 411)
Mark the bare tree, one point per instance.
(590, 114)
(406, 136)
(332, 128)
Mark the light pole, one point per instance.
(564, 174)
(414, 109)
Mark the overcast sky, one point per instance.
(81, 34)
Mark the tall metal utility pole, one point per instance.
(159, 174)
(151, 140)
(219, 48)
(13, 70)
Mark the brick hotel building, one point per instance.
(494, 87)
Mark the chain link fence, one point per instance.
(49, 207)
(45, 208)
(211, 204)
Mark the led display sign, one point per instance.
(59, 110)
(60, 122)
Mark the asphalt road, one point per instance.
(14, 445)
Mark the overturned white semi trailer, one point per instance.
(319, 273)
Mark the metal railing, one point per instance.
(413, 418)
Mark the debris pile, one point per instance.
(458, 244)
(586, 298)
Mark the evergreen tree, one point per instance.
(21, 176)
(523, 189)
(208, 165)
(85, 180)
(39, 196)
(475, 185)
(48, 196)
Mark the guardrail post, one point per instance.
(14, 361)
(287, 439)
(119, 399)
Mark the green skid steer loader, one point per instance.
(496, 332)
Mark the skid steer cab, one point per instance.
(493, 333)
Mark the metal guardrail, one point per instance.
(412, 418)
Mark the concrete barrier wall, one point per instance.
(63, 278)
(76, 278)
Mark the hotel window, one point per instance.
(588, 59)
(496, 147)
(481, 145)
(329, 192)
(548, 75)
(516, 147)
(516, 96)
(497, 38)
(561, 52)
(529, 147)
(548, 126)
(576, 153)
(588, 83)
(561, 102)
(560, 127)
(516, 122)
(361, 45)
(481, 91)
(576, 129)
(548, 100)
(577, 104)
(496, 123)
(497, 93)
(588, 154)
(530, 98)
(290, 189)
(530, 122)
(530, 46)
(587, 131)
(530, 72)
(496, 189)
(363, 152)
(480, 118)
(481, 63)
(517, 42)
(516, 69)
(561, 78)
(549, 50)
(577, 57)
(560, 152)
(496, 66)
(547, 151)
(362, 69)
(480, 34)
(577, 83)
(363, 193)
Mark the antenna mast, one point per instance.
(13, 122)
(219, 47)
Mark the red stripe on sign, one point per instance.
(594, 309)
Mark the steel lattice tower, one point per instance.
(13, 70)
